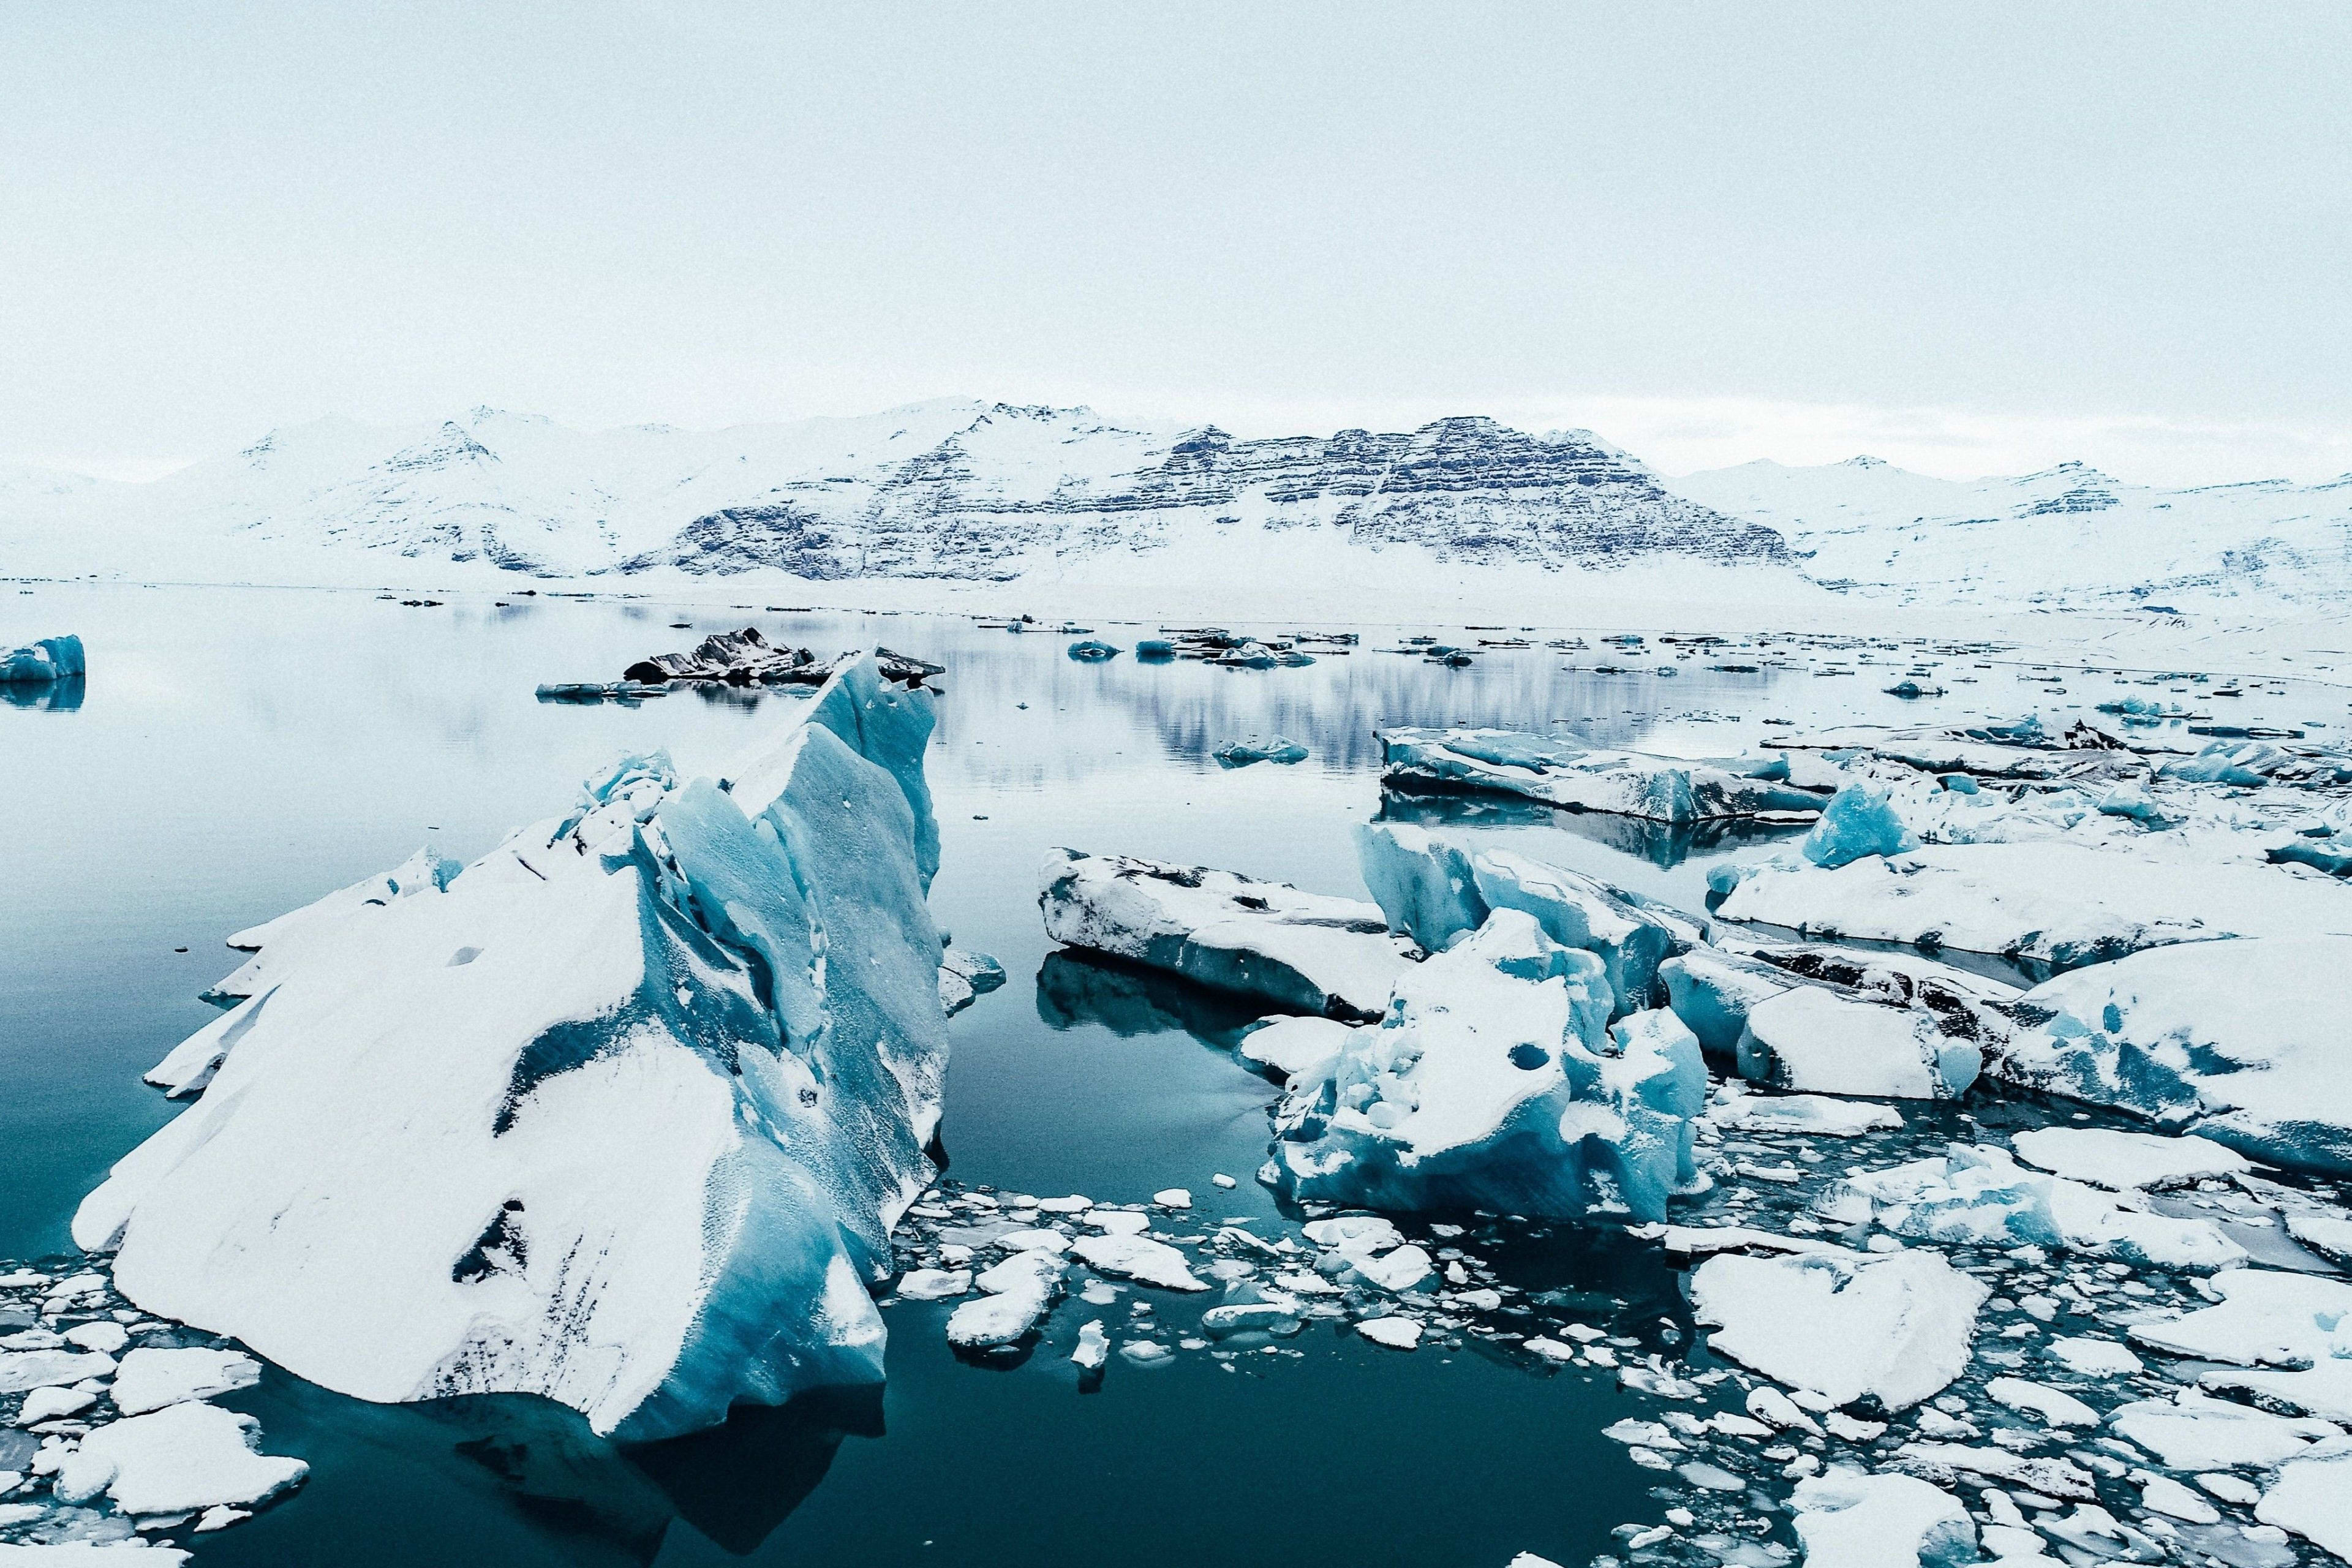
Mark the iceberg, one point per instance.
(1253, 749)
(1881, 1330)
(622, 1114)
(1860, 820)
(965, 978)
(2242, 1042)
(38, 663)
(1302, 952)
(2251, 764)
(1436, 892)
(1977, 1195)
(1495, 1083)
(1576, 778)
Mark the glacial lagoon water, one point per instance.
(236, 752)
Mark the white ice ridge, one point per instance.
(1563, 774)
(1304, 952)
(622, 1114)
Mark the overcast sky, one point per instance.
(1968, 239)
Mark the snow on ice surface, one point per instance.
(1979, 1195)
(2121, 1162)
(177, 1460)
(23, 1370)
(1563, 774)
(1284, 1046)
(150, 1379)
(2063, 903)
(1846, 1518)
(1304, 951)
(2312, 1497)
(1136, 1257)
(1494, 1083)
(1018, 1290)
(1733, 1107)
(1892, 1330)
(2242, 1042)
(1436, 893)
(1810, 1039)
(2267, 1320)
(593, 1120)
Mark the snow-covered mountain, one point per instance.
(951, 488)
(2068, 535)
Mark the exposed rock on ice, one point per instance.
(2267, 1320)
(177, 1460)
(1437, 893)
(150, 1379)
(1849, 1519)
(1494, 1084)
(1304, 952)
(2121, 1162)
(1890, 1330)
(1978, 1195)
(1813, 1039)
(38, 663)
(2242, 1041)
(1563, 773)
(621, 1116)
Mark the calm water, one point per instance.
(236, 752)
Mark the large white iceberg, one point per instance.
(622, 1114)
(1563, 773)
(2244, 1042)
(1495, 1082)
(1437, 892)
(1304, 952)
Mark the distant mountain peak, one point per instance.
(1863, 460)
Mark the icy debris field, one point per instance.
(1615, 1100)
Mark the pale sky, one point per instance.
(1970, 238)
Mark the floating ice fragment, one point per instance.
(2120, 1160)
(2312, 1497)
(150, 1378)
(1138, 1258)
(1858, 821)
(2049, 1405)
(933, 1284)
(1560, 773)
(1397, 1333)
(1892, 1330)
(1019, 1290)
(1846, 1518)
(177, 1460)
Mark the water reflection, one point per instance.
(46, 696)
(1078, 988)
(734, 1483)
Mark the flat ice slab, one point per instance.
(2123, 1161)
(179, 1459)
(1890, 1330)
(1560, 773)
(1303, 952)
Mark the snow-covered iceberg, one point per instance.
(1810, 1038)
(1435, 891)
(622, 1114)
(1303, 952)
(2244, 1041)
(1495, 1082)
(1577, 778)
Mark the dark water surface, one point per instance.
(237, 753)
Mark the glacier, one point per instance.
(621, 1114)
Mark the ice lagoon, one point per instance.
(236, 753)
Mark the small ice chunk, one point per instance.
(2095, 1357)
(1118, 1222)
(1849, 1519)
(1397, 1333)
(52, 1404)
(933, 1284)
(186, 1458)
(1138, 1258)
(1803, 1113)
(2194, 1431)
(1033, 1241)
(151, 1379)
(1019, 1290)
(1146, 1353)
(1172, 1198)
(23, 1370)
(2162, 1494)
(1093, 1347)
(1860, 820)
(1894, 1329)
(1813, 1038)
(107, 1338)
(2051, 1408)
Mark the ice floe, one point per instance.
(1887, 1331)
(1304, 952)
(177, 1460)
(2121, 1161)
(1846, 1518)
(1563, 773)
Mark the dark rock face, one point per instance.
(1468, 490)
